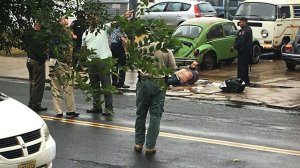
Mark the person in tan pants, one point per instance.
(61, 79)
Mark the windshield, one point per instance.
(256, 11)
(187, 31)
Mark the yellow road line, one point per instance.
(181, 137)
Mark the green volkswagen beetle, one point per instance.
(210, 40)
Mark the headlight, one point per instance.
(46, 132)
(264, 33)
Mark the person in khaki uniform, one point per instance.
(150, 97)
(60, 69)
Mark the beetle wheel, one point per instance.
(209, 61)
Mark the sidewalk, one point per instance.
(277, 88)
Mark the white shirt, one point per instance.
(99, 42)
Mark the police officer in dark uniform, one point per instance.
(244, 46)
(78, 27)
(35, 44)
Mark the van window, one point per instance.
(297, 11)
(284, 12)
(173, 6)
(158, 7)
(256, 11)
(215, 32)
(229, 29)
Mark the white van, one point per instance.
(273, 22)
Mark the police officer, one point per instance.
(150, 96)
(78, 28)
(244, 46)
(35, 44)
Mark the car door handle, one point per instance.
(279, 24)
(178, 16)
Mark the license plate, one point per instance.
(29, 164)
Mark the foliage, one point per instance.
(18, 16)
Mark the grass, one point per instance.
(14, 53)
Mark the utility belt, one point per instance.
(34, 57)
(40, 59)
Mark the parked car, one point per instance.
(291, 53)
(25, 140)
(220, 7)
(210, 40)
(174, 12)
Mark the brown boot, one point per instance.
(138, 148)
(150, 151)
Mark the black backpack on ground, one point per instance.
(233, 86)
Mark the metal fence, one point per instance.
(115, 7)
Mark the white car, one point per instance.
(175, 12)
(25, 141)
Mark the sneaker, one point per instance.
(138, 148)
(150, 151)
(72, 114)
(107, 112)
(59, 115)
(94, 110)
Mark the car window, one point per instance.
(206, 7)
(215, 2)
(158, 7)
(284, 12)
(229, 29)
(188, 31)
(173, 6)
(234, 3)
(297, 11)
(185, 6)
(215, 32)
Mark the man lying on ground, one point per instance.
(185, 76)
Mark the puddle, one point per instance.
(255, 85)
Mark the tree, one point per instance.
(19, 16)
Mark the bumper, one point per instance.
(43, 158)
(183, 61)
(291, 58)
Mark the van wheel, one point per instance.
(209, 61)
(290, 66)
(256, 54)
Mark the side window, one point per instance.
(186, 7)
(173, 6)
(284, 12)
(297, 11)
(215, 32)
(216, 2)
(158, 8)
(229, 29)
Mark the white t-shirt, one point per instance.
(99, 43)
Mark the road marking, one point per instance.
(178, 136)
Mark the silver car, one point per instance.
(174, 12)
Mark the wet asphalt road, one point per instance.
(193, 134)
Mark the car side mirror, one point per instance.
(147, 10)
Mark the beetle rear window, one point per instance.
(188, 31)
